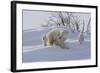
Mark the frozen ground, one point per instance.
(34, 51)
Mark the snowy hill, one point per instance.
(35, 51)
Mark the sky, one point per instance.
(34, 19)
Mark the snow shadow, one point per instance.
(55, 53)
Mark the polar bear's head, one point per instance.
(63, 35)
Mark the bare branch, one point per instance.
(88, 24)
(76, 22)
(83, 26)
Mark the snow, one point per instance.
(35, 51)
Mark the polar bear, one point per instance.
(55, 36)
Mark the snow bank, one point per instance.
(34, 51)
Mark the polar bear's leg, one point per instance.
(50, 42)
(60, 43)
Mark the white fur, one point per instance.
(55, 36)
